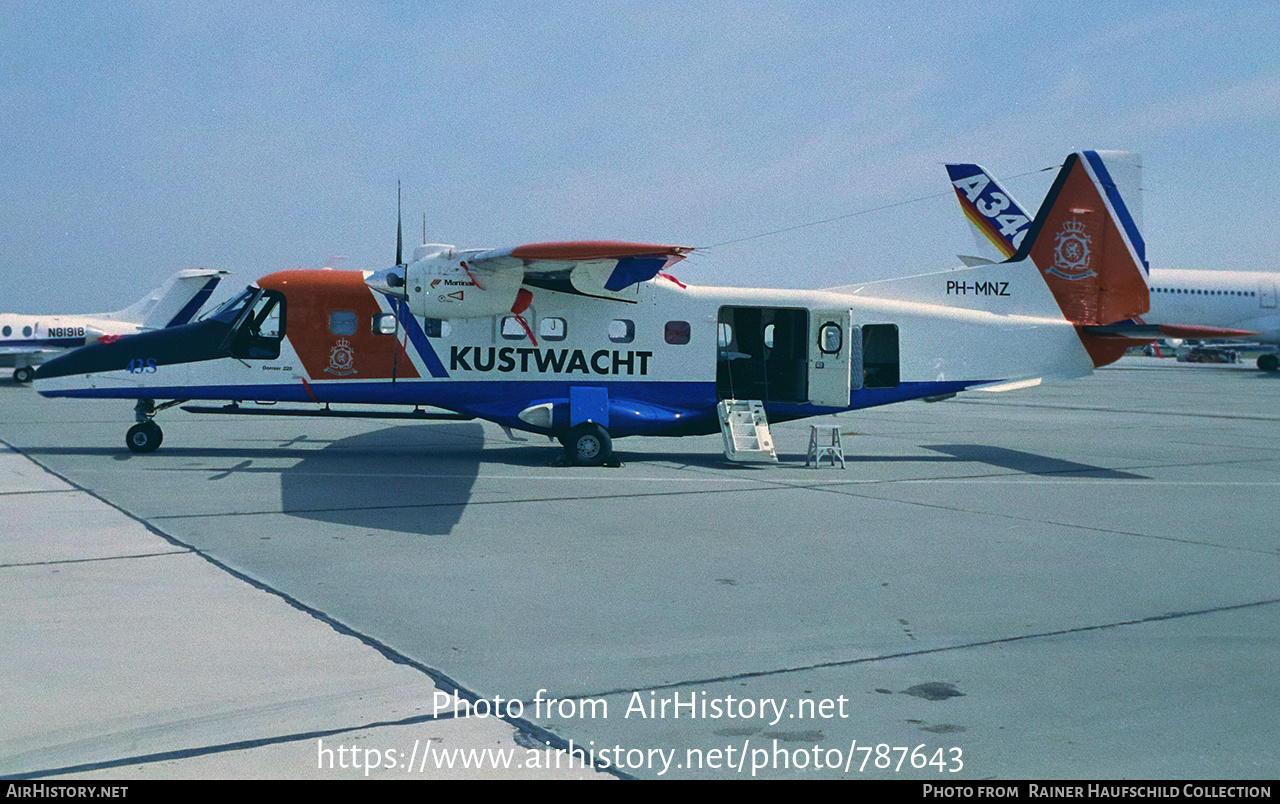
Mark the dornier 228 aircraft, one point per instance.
(589, 341)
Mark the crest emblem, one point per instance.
(342, 359)
(1071, 253)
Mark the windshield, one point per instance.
(230, 309)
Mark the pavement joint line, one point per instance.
(36, 491)
(1071, 525)
(1097, 409)
(99, 558)
(220, 748)
(438, 678)
(836, 486)
(1083, 629)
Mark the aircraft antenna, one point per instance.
(859, 212)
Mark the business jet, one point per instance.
(591, 341)
(28, 340)
(1184, 303)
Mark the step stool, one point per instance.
(832, 449)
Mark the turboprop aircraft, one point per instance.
(1205, 304)
(590, 341)
(28, 340)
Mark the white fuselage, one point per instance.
(1244, 300)
(27, 340)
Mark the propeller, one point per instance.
(399, 230)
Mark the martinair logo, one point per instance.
(456, 295)
(1071, 254)
(342, 359)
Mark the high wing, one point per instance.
(446, 283)
(592, 268)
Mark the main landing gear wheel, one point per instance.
(588, 444)
(144, 437)
(1268, 362)
(24, 375)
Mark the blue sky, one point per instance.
(140, 138)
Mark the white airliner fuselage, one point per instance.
(1234, 299)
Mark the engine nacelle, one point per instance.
(444, 287)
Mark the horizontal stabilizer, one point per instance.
(1152, 331)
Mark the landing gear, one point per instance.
(24, 374)
(144, 437)
(588, 444)
(1268, 362)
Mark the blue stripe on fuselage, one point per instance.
(687, 407)
(419, 340)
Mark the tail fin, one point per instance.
(174, 303)
(1085, 243)
(999, 224)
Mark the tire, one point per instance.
(144, 437)
(1268, 362)
(24, 375)
(588, 444)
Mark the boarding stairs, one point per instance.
(745, 430)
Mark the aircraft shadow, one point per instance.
(411, 479)
(1029, 462)
(1026, 462)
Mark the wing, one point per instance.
(599, 268)
(33, 350)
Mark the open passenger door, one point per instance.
(833, 351)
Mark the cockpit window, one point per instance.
(230, 309)
(261, 329)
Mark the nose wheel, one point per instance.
(144, 437)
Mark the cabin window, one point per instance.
(724, 335)
(436, 328)
(512, 329)
(384, 324)
(622, 330)
(8, 330)
(553, 329)
(26, 332)
(342, 322)
(830, 338)
(880, 367)
(676, 332)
